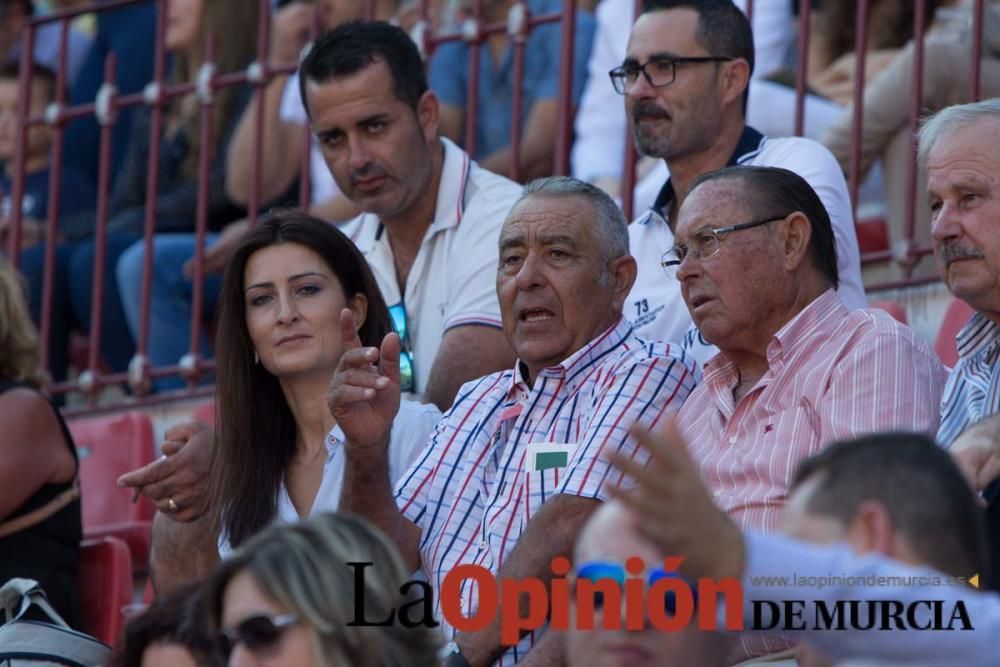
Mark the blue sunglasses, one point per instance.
(596, 571)
(398, 313)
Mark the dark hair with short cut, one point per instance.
(256, 431)
(11, 71)
(176, 618)
(773, 191)
(723, 29)
(928, 499)
(352, 46)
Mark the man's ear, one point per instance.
(735, 77)
(359, 306)
(428, 115)
(796, 237)
(871, 529)
(623, 271)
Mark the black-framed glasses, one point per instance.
(398, 313)
(659, 72)
(596, 571)
(257, 633)
(705, 243)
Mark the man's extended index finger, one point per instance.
(349, 330)
(148, 474)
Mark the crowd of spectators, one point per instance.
(433, 366)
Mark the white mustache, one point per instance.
(954, 252)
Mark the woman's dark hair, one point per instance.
(890, 22)
(255, 436)
(178, 618)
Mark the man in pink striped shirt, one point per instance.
(519, 462)
(756, 260)
(757, 265)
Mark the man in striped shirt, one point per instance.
(518, 464)
(756, 261)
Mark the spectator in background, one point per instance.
(862, 492)
(690, 114)
(756, 264)
(888, 97)
(235, 24)
(449, 78)
(75, 194)
(40, 526)
(602, 126)
(517, 465)
(14, 17)
(128, 33)
(289, 596)
(609, 539)
(170, 633)
(285, 139)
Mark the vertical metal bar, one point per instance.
(263, 57)
(152, 184)
(52, 219)
(370, 10)
(977, 49)
(919, 23)
(749, 12)
(21, 146)
(627, 189)
(860, 54)
(518, 42)
(564, 118)
(100, 236)
(472, 105)
(805, 20)
(201, 219)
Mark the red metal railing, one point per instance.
(475, 31)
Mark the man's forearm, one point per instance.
(180, 552)
(368, 493)
(550, 533)
(280, 150)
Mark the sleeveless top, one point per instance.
(47, 552)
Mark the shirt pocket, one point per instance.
(783, 441)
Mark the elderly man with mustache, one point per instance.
(684, 80)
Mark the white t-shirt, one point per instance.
(453, 279)
(411, 431)
(292, 111)
(655, 307)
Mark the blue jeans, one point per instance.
(171, 294)
(71, 299)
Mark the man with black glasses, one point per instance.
(684, 80)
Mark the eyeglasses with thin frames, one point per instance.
(398, 313)
(258, 634)
(705, 243)
(659, 72)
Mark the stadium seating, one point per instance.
(109, 447)
(955, 317)
(105, 580)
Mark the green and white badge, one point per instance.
(546, 455)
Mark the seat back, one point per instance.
(955, 317)
(891, 307)
(105, 581)
(108, 448)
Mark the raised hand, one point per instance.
(364, 393)
(674, 508)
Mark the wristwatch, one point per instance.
(451, 656)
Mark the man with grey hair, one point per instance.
(518, 464)
(960, 148)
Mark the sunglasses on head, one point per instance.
(257, 633)
(398, 313)
(596, 571)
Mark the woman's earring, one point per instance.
(256, 358)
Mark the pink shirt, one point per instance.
(833, 374)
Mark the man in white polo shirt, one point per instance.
(431, 216)
(684, 79)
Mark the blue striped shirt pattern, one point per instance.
(473, 490)
(973, 390)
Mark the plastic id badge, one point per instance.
(547, 455)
